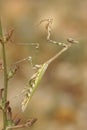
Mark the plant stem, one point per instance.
(5, 87)
(3, 32)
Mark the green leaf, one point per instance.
(10, 123)
(12, 72)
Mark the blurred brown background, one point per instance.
(60, 102)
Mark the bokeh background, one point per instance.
(60, 101)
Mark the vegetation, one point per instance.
(33, 83)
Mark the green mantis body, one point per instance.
(33, 84)
(36, 78)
